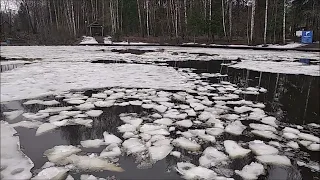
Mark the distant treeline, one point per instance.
(244, 21)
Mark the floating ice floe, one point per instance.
(234, 150)
(133, 145)
(262, 127)
(58, 154)
(164, 121)
(230, 117)
(91, 163)
(214, 131)
(51, 173)
(184, 123)
(131, 120)
(260, 148)
(309, 137)
(37, 116)
(111, 139)
(265, 134)
(45, 127)
(190, 171)
(235, 128)
(94, 113)
(191, 112)
(92, 143)
(104, 103)
(159, 152)
(293, 144)
(212, 157)
(126, 128)
(55, 109)
(160, 108)
(99, 95)
(176, 154)
(27, 124)
(31, 102)
(314, 125)
(291, 130)
(242, 109)
(85, 106)
(251, 171)
(274, 160)
(14, 164)
(111, 151)
(314, 147)
(270, 121)
(290, 135)
(12, 114)
(70, 113)
(186, 144)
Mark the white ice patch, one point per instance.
(309, 137)
(235, 128)
(159, 152)
(75, 101)
(314, 147)
(262, 127)
(234, 150)
(251, 172)
(265, 134)
(190, 171)
(160, 108)
(164, 121)
(184, 123)
(260, 148)
(51, 173)
(45, 127)
(186, 144)
(212, 157)
(290, 135)
(270, 121)
(133, 145)
(55, 109)
(104, 103)
(12, 114)
(291, 130)
(27, 124)
(127, 128)
(94, 113)
(111, 151)
(111, 139)
(85, 106)
(274, 160)
(214, 131)
(176, 154)
(94, 143)
(69, 113)
(14, 164)
(242, 109)
(58, 154)
(37, 116)
(293, 144)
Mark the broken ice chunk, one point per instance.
(58, 154)
(94, 113)
(260, 148)
(94, 143)
(45, 127)
(234, 150)
(262, 127)
(159, 152)
(274, 159)
(12, 114)
(265, 134)
(212, 157)
(184, 123)
(186, 144)
(52, 173)
(309, 137)
(111, 151)
(133, 145)
(111, 139)
(235, 128)
(251, 172)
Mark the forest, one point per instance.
(53, 22)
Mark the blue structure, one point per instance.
(306, 37)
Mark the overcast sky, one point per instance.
(9, 4)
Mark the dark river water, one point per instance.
(292, 99)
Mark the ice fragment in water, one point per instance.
(57, 173)
(251, 172)
(212, 157)
(235, 128)
(164, 121)
(57, 154)
(184, 123)
(242, 109)
(291, 130)
(55, 109)
(270, 121)
(274, 160)
(111, 139)
(186, 144)
(234, 150)
(309, 137)
(293, 145)
(94, 113)
(27, 124)
(94, 143)
(262, 127)
(290, 135)
(45, 127)
(265, 134)
(127, 128)
(12, 114)
(314, 147)
(160, 108)
(14, 164)
(190, 171)
(260, 148)
(133, 145)
(36, 116)
(176, 154)
(159, 152)
(214, 131)
(76, 101)
(85, 106)
(111, 151)
(100, 95)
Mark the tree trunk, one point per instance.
(265, 24)
(185, 16)
(230, 20)
(284, 23)
(223, 19)
(252, 20)
(148, 30)
(140, 20)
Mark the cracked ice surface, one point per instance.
(40, 79)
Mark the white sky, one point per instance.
(9, 4)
